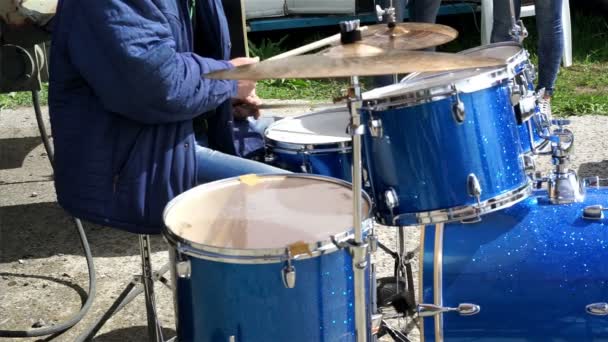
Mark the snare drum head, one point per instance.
(323, 127)
(262, 212)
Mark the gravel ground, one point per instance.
(43, 274)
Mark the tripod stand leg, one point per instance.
(126, 296)
(154, 328)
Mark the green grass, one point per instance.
(296, 89)
(582, 89)
(20, 99)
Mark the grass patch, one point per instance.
(22, 98)
(582, 89)
(296, 89)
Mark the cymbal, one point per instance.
(371, 64)
(406, 36)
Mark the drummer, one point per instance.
(125, 86)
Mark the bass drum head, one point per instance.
(261, 215)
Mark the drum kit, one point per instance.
(508, 253)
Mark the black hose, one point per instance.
(85, 246)
(42, 129)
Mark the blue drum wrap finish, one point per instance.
(532, 268)
(250, 302)
(425, 155)
(525, 137)
(336, 164)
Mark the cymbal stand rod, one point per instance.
(512, 13)
(518, 30)
(359, 246)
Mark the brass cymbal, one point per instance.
(407, 36)
(370, 64)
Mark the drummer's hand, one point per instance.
(247, 107)
(245, 88)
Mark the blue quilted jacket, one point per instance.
(125, 86)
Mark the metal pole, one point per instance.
(154, 331)
(359, 248)
(512, 12)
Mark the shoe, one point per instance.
(544, 105)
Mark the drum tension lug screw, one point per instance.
(183, 269)
(597, 309)
(289, 272)
(458, 108)
(474, 190)
(594, 212)
(464, 309)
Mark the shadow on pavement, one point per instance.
(14, 151)
(131, 334)
(41, 230)
(594, 169)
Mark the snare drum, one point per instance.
(263, 258)
(535, 270)
(440, 148)
(523, 96)
(314, 143)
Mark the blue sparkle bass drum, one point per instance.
(533, 272)
(314, 143)
(534, 126)
(440, 147)
(263, 258)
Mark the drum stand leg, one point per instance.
(140, 283)
(155, 332)
(403, 297)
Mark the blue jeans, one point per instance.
(213, 165)
(550, 36)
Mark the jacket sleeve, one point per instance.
(126, 53)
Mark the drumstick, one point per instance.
(312, 46)
(269, 106)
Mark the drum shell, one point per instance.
(314, 143)
(521, 69)
(524, 135)
(426, 156)
(532, 268)
(250, 301)
(335, 163)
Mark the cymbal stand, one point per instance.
(518, 30)
(391, 20)
(358, 247)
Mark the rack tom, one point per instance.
(440, 148)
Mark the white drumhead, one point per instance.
(263, 212)
(466, 81)
(505, 51)
(323, 127)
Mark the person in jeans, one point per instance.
(420, 11)
(550, 40)
(424, 11)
